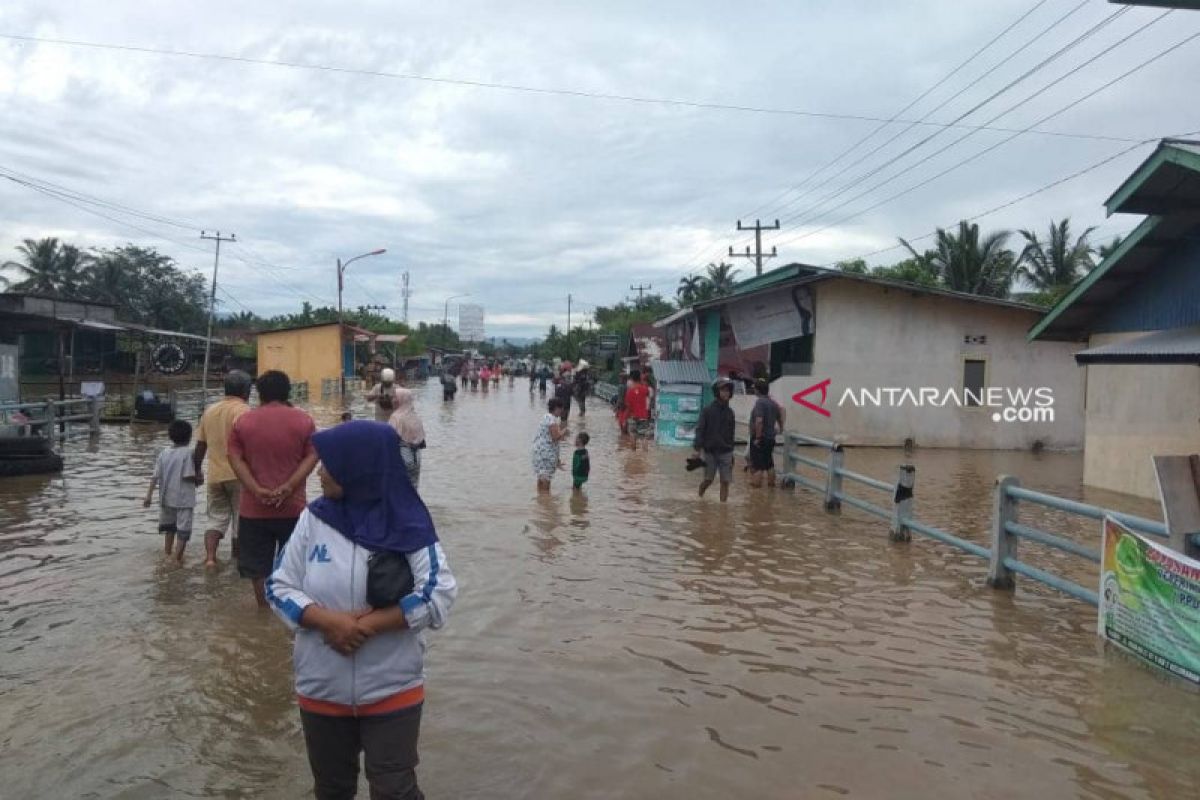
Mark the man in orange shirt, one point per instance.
(223, 487)
(637, 406)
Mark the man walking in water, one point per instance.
(224, 491)
(271, 452)
(765, 422)
(714, 438)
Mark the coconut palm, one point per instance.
(966, 263)
(50, 268)
(721, 278)
(1058, 261)
(691, 288)
(1106, 250)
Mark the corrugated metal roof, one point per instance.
(1175, 346)
(681, 372)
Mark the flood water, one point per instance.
(631, 642)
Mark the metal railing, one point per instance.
(605, 391)
(332, 387)
(1006, 530)
(52, 417)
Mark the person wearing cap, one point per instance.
(583, 385)
(714, 438)
(383, 395)
(765, 423)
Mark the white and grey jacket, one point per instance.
(320, 565)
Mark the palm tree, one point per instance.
(1106, 250)
(965, 263)
(49, 268)
(721, 278)
(1058, 262)
(691, 288)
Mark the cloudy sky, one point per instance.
(521, 197)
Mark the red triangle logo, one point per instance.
(823, 387)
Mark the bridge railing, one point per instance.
(1006, 530)
(52, 417)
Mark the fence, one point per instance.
(1006, 530)
(332, 387)
(52, 416)
(605, 391)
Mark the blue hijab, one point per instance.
(380, 510)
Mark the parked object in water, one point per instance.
(149, 407)
(28, 455)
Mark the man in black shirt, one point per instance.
(714, 438)
(766, 421)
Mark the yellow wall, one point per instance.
(1135, 412)
(307, 354)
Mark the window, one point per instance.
(974, 375)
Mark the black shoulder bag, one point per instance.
(389, 578)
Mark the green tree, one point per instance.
(1105, 250)
(721, 278)
(855, 266)
(910, 270)
(49, 267)
(1055, 264)
(967, 263)
(691, 288)
(149, 288)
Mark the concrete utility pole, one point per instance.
(758, 255)
(641, 290)
(405, 294)
(568, 319)
(212, 309)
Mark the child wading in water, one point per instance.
(581, 465)
(176, 479)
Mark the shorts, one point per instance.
(643, 428)
(762, 456)
(718, 462)
(261, 540)
(223, 498)
(177, 521)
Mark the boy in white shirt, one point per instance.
(175, 476)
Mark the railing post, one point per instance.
(51, 414)
(789, 466)
(902, 503)
(173, 401)
(833, 481)
(94, 410)
(1004, 544)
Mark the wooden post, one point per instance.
(902, 503)
(833, 481)
(1004, 544)
(137, 372)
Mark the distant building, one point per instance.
(312, 353)
(1139, 312)
(881, 362)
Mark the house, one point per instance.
(874, 361)
(1139, 313)
(313, 353)
(645, 344)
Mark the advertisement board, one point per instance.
(772, 317)
(1150, 601)
(470, 323)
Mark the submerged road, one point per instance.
(631, 642)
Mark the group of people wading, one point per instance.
(357, 574)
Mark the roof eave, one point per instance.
(1166, 153)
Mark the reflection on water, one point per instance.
(628, 640)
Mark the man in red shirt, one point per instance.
(271, 452)
(637, 406)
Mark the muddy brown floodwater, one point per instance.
(629, 643)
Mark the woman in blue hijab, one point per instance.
(361, 577)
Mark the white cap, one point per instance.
(387, 375)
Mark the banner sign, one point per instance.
(470, 323)
(772, 317)
(1150, 601)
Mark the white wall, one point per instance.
(872, 336)
(1133, 413)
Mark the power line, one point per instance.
(990, 71)
(806, 214)
(995, 146)
(912, 103)
(510, 87)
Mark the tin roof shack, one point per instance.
(880, 362)
(1139, 312)
(679, 399)
(312, 353)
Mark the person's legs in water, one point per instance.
(333, 745)
(181, 540)
(262, 539)
(724, 491)
(168, 543)
(389, 746)
(710, 471)
(725, 467)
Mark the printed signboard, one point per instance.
(1150, 601)
(470, 323)
(772, 317)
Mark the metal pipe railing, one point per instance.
(1140, 524)
(867, 481)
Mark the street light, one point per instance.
(341, 271)
(446, 320)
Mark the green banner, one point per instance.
(1150, 601)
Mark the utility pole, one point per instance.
(212, 309)
(758, 255)
(341, 275)
(641, 290)
(405, 294)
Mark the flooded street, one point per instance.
(634, 642)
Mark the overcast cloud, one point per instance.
(522, 198)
